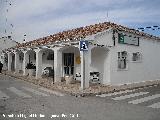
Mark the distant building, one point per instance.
(109, 54)
(6, 42)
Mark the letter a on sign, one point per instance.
(83, 45)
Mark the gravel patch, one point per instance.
(74, 89)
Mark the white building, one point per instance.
(114, 55)
(6, 42)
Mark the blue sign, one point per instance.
(83, 45)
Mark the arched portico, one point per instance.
(11, 61)
(29, 57)
(70, 63)
(100, 63)
(19, 56)
(46, 57)
(5, 61)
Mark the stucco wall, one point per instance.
(147, 69)
(104, 38)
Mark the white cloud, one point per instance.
(37, 18)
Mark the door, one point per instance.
(68, 63)
(13, 63)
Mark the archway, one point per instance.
(30, 63)
(47, 62)
(100, 63)
(70, 63)
(5, 61)
(31, 56)
(21, 58)
(12, 61)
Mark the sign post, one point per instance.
(83, 46)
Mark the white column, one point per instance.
(3, 62)
(16, 62)
(107, 68)
(38, 63)
(1, 55)
(57, 64)
(25, 62)
(9, 61)
(82, 70)
(85, 68)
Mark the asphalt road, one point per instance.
(20, 100)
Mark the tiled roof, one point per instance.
(82, 32)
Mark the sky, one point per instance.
(40, 18)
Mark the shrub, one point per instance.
(30, 66)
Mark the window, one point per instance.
(136, 57)
(122, 60)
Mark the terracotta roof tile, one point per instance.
(82, 32)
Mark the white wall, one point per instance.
(104, 38)
(147, 69)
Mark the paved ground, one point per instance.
(20, 100)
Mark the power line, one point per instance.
(155, 27)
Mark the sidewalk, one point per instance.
(74, 89)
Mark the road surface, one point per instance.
(20, 100)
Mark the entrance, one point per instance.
(13, 63)
(68, 63)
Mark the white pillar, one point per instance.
(82, 70)
(25, 62)
(107, 68)
(57, 64)
(3, 62)
(38, 63)
(16, 62)
(9, 61)
(1, 55)
(85, 68)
